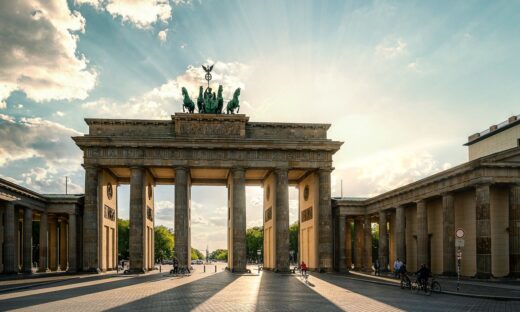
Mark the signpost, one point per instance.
(459, 243)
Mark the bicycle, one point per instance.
(405, 281)
(431, 286)
(305, 276)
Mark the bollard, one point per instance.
(215, 268)
(160, 268)
(204, 268)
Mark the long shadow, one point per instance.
(279, 292)
(182, 298)
(402, 298)
(30, 300)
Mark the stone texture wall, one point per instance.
(411, 240)
(269, 225)
(435, 232)
(108, 222)
(499, 231)
(464, 203)
(308, 233)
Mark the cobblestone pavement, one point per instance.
(224, 291)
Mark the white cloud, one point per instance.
(161, 102)
(141, 13)
(392, 49)
(163, 35)
(38, 54)
(59, 113)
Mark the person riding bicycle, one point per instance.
(423, 274)
(303, 268)
(175, 266)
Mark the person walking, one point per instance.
(397, 267)
(377, 268)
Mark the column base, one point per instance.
(92, 270)
(449, 273)
(27, 272)
(135, 271)
(482, 275)
(46, 270)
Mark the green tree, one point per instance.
(219, 254)
(122, 238)
(294, 231)
(164, 243)
(254, 242)
(196, 254)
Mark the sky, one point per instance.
(402, 83)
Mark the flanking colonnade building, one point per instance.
(417, 222)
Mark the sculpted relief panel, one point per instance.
(204, 154)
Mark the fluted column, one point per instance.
(73, 264)
(400, 237)
(27, 240)
(483, 226)
(44, 262)
(448, 235)
(342, 265)
(137, 221)
(422, 234)
(368, 243)
(383, 241)
(348, 243)
(10, 265)
(182, 219)
(239, 222)
(63, 244)
(53, 243)
(514, 229)
(360, 243)
(91, 231)
(325, 242)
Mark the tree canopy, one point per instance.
(164, 243)
(219, 254)
(254, 242)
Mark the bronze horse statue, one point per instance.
(234, 103)
(187, 102)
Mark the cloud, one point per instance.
(39, 55)
(391, 49)
(162, 35)
(161, 102)
(140, 13)
(47, 147)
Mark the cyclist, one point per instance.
(422, 275)
(175, 266)
(303, 268)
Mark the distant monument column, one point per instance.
(383, 241)
(282, 220)
(448, 234)
(238, 215)
(400, 237)
(325, 247)
(27, 240)
(182, 219)
(9, 239)
(137, 215)
(483, 226)
(43, 262)
(514, 230)
(422, 234)
(91, 237)
(342, 266)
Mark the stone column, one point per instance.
(182, 220)
(10, 233)
(448, 235)
(53, 244)
(514, 230)
(239, 222)
(137, 221)
(368, 243)
(422, 234)
(282, 220)
(73, 264)
(44, 262)
(383, 241)
(27, 240)
(348, 244)
(342, 265)
(91, 232)
(400, 234)
(63, 244)
(325, 237)
(483, 219)
(360, 242)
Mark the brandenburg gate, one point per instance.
(206, 149)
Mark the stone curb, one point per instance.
(503, 298)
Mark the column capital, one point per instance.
(90, 166)
(181, 168)
(421, 201)
(234, 169)
(325, 169)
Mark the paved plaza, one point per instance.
(224, 291)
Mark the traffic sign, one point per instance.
(459, 233)
(459, 242)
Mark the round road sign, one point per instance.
(459, 233)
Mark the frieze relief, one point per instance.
(208, 129)
(204, 154)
